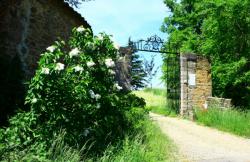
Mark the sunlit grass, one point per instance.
(146, 144)
(233, 121)
(153, 146)
(156, 101)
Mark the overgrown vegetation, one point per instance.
(156, 101)
(234, 121)
(220, 30)
(73, 95)
(149, 145)
(145, 142)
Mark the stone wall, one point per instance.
(215, 102)
(196, 82)
(27, 27)
(123, 68)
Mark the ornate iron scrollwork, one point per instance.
(152, 44)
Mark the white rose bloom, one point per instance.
(92, 94)
(51, 48)
(118, 87)
(109, 63)
(97, 96)
(120, 58)
(100, 37)
(112, 72)
(78, 68)
(59, 66)
(34, 100)
(80, 29)
(74, 52)
(86, 132)
(45, 71)
(90, 63)
(90, 45)
(116, 45)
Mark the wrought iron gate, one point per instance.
(156, 44)
(173, 81)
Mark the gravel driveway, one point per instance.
(203, 144)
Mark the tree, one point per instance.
(137, 72)
(219, 29)
(76, 3)
(150, 70)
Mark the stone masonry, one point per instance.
(123, 68)
(196, 83)
(27, 28)
(215, 102)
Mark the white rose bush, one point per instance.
(74, 90)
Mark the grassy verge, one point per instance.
(151, 146)
(156, 91)
(232, 121)
(156, 101)
(146, 143)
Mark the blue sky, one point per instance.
(138, 19)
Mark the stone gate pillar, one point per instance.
(196, 83)
(123, 68)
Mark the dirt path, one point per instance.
(203, 144)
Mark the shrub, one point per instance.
(74, 90)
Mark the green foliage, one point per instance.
(219, 29)
(73, 90)
(58, 151)
(143, 142)
(233, 121)
(137, 72)
(148, 145)
(76, 3)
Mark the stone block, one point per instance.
(218, 102)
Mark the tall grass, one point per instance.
(233, 121)
(156, 91)
(156, 101)
(146, 144)
(152, 146)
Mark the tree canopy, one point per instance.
(76, 3)
(219, 29)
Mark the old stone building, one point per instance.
(27, 27)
